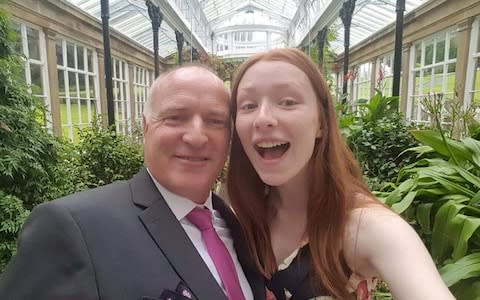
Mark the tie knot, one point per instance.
(201, 218)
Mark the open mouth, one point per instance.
(272, 150)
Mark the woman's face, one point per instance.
(277, 120)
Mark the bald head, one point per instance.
(192, 76)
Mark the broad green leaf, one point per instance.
(445, 230)
(424, 215)
(475, 199)
(396, 195)
(470, 225)
(448, 184)
(468, 289)
(420, 150)
(401, 206)
(466, 267)
(433, 139)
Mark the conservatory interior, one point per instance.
(405, 75)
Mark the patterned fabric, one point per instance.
(293, 281)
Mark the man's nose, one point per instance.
(265, 117)
(196, 135)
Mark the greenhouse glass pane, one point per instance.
(428, 53)
(72, 84)
(61, 83)
(36, 75)
(90, 60)
(80, 62)
(440, 55)
(70, 55)
(59, 53)
(452, 52)
(33, 39)
(418, 55)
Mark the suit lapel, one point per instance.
(172, 240)
(255, 279)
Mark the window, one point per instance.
(141, 83)
(432, 70)
(362, 82)
(121, 96)
(31, 44)
(77, 86)
(384, 74)
(472, 88)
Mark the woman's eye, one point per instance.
(248, 106)
(288, 102)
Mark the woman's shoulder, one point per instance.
(369, 231)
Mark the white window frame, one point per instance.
(45, 96)
(141, 85)
(359, 80)
(68, 99)
(386, 90)
(473, 56)
(121, 100)
(446, 34)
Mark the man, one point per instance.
(133, 240)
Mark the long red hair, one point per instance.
(334, 180)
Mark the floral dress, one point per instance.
(293, 281)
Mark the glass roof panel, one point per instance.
(130, 17)
(369, 17)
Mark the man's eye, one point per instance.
(217, 122)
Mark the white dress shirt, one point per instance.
(180, 207)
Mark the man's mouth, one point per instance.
(192, 158)
(272, 150)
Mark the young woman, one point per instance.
(311, 223)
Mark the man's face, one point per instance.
(187, 133)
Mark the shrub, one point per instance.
(12, 216)
(101, 157)
(377, 146)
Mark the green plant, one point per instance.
(12, 216)
(102, 157)
(440, 196)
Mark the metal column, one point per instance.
(156, 17)
(397, 61)
(346, 14)
(105, 12)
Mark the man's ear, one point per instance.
(145, 126)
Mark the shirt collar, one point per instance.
(179, 205)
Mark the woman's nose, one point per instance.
(265, 117)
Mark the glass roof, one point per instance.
(202, 20)
(369, 17)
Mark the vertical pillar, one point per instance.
(405, 78)
(180, 39)
(321, 37)
(212, 39)
(269, 41)
(53, 82)
(346, 15)
(373, 77)
(131, 90)
(101, 74)
(156, 17)
(105, 12)
(463, 38)
(397, 60)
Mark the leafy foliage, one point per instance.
(12, 216)
(440, 196)
(377, 135)
(27, 152)
(101, 157)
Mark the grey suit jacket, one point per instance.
(120, 241)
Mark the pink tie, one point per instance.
(202, 219)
